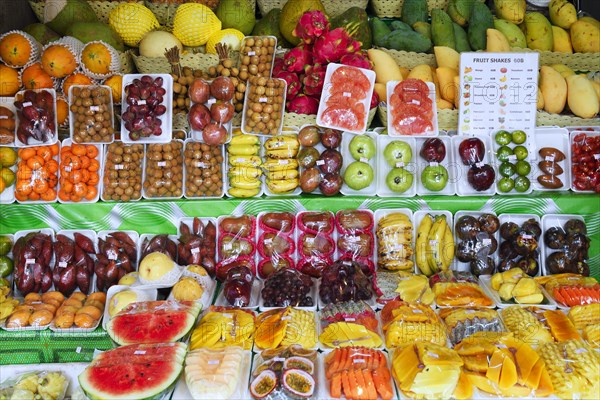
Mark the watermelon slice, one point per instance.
(153, 322)
(134, 372)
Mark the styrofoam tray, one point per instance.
(519, 219)
(593, 133)
(70, 370)
(199, 164)
(390, 86)
(133, 235)
(383, 168)
(559, 139)
(9, 102)
(463, 187)
(31, 180)
(485, 281)
(197, 135)
(293, 236)
(379, 331)
(227, 166)
(142, 295)
(72, 114)
(531, 148)
(418, 217)
(549, 221)
(144, 173)
(242, 390)
(313, 293)
(119, 166)
(320, 149)
(264, 157)
(449, 163)
(372, 302)
(347, 158)
(34, 142)
(99, 158)
(20, 234)
(339, 232)
(254, 297)
(464, 266)
(384, 212)
(70, 233)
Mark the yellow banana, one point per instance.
(448, 249)
(434, 243)
(282, 153)
(394, 219)
(421, 246)
(244, 183)
(243, 193)
(283, 174)
(244, 140)
(282, 186)
(282, 142)
(280, 165)
(245, 172)
(245, 161)
(242, 150)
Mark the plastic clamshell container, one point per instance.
(485, 282)
(250, 238)
(379, 330)
(391, 110)
(379, 214)
(147, 294)
(166, 118)
(572, 141)
(227, 166)
(339, 232)
(254, 296)
(464, 266)
(9, 102)
(70, 233)
(263, 100)
(55, 158)
(118, 167)
(99, 158)
(326, 94)
(384, 168)
(246, 50)
(196, 135)
(557, 138)
(293, 236)
(313, 294)
(18, 235)
(162, 164)
(34, 142)
(348, 159)
(418, 218)
(549, 221)
(188, 173)
(242, 391)
(448, 163)
(463, 187)
(519, 219)
(94, 108)
(320, 148)
(531, 149)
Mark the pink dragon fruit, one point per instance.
(334, 45)
(298, 57)
(303, 105)
(293, 83)
(374, 100)
(314, 79)
(358, 59)
(278, 65)
(311, 25)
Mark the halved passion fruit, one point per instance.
(264, 384)
(298, 384)
(297, 350)
(299, 363)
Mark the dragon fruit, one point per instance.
(303, 104)
(278, 65)
(358, 59)
(374, 100)
(293, 83)
(312, 24)
(333, 45)
(297, 58)
(314, 79)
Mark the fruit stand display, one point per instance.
(276, 199)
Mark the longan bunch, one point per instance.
(181, 99)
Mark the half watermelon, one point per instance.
(134, 372)
(153, 322)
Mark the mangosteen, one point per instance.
(466, 250)
(506, 265)
(574, 226)
(529, 265)
(524, 243)
(580, 267)
(579, 245)
(488, 240)
(555, 237)
(508, 230)
(489, 223)
(557, 263)
(467, 227)
(532, 227)
(483, 266)
(507, 251)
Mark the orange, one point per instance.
(45, 153)
(49, 195)
(23, 188)
(78, 149)
(34, 77)
(76, 199)
(91, 193)
(52, 180)
(94, 179)
(20, 196)
(92, 151)
(85, 175)
(94, 166)
(80, 189)
(52, 166)
(27, 153)
(9, 81)
(54, 149)
(76, 176)
(67, 186)
(85, 162)
(40, 186)
(24, 173)
(33, 196)
(64, 196)
(35, 162)
(15, 49)
(72, 161)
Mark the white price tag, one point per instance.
(95, 108)
(283, 162)
(30, 261)
(359, 361)
(432, 355)
(139, 352)
(27, 104)
(416, 102)
(320, 162)
(112, 256)
(527, 237)
(399, 164)
(268, 241)
(487, 242)
(364, 159)
(433, 164)
(214, 362)
(211, 101)
(512, 157)
(142, 103)
(251, 53)
(230, 316)
(349, 319)
(549, 158)
(501, 346)
(581, 350)
(162, 163)
(263, 99)
(479, 164)
(597, 156)
(227, 246)
(433, 242)
(68, 169)
(195, 250)
(62, 264)
(417, 311)
(119, 167)
(286, 318)
(78, 350)
(3, 116)
(200, 164)
(347, 94)
(279, 359)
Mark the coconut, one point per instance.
(92, 31)
(59, 15)
(154, 44)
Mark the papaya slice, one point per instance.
(495, 368)
(545, 387)
(464, 388)
(508, 375)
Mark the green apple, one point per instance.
(434, 178)
(358, 175)
(399, 180)
(362, 147)
(396, 152)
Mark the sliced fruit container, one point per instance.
(482, 163)
(412, 108)
(547, 303)
(348, 330)
(546, 139)
(362, 169)
(438, 173)
(380, 214)
(392, 170)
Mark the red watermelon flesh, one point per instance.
(143, 353)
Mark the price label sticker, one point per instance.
(62, 264)
(211, 101)
(195, 250)
(119, 167)
(433, 242)
(283, 162)
(359, 361)
(433, 164)
(95, 108)
(78, 350)
(580, 350)
(432, 355)
(3, 116)
(512, 158)
(139, 352)
(30, 261)
(527, 237)
(268, 240)
(487, 242)
(27, 104)
(399, 164)
(417, 311)
(200, 164)
(597, 156)
(320, 162)
(162, 164)
(501, 346)
(349, 319)
(227, 246)
(347, 94)
(142, 103)
(416, 102)
(214, 362)
(230, 316)
(112, 256)
(251, 53)
(549, 158)
(279, 359)
(479, 164)
(68, 169)
(364, 159)
(263, 100)
(286, 318)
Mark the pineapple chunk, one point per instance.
(535, 298)
(525, 287)
(497, 280)
(506, 291)
(512, 275)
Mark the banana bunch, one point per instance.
(281, 166)
(394, 232)
(7, 303)
(435, 245)
(244, 171)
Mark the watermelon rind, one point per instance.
(160, 389)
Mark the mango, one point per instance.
(554, 89)
(422, 72)
(459, 11)
(511, 10)
(540, 100)
(538, 32)
(424, 28)
(515, 37)
(561, 40)
(591, 20)
(505, 291)
(414, 11)
(445, 77)
(461, 39)
(585, 36)
(446, 57)
(497, 280)
(444, 104)
(562, 13)
(381, 90)
(442, 32)
(496, 42)
(481, 20)
(563, 70)
(404, 71)
(385, 66)
(436, 83)
(581, 97)
(512, 275)
(535, 298)
(410, 40)
(596, 87)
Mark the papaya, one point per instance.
(460, 38)
(514, 35)
(442, 31)
(379, 30)
(414, 11)
(356, 22)
(424, 28)
(538, 32)
(481, 20)
(407, 41)
(511, 10)
(561, 40)
(460, 11)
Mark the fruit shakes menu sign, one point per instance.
(497, 91)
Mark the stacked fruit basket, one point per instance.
(279, 205)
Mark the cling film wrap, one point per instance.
(411, 108)
(237, 287)
(349, 324)
(395, 247)
(286, 326)
(36, 384)
(403, 323)
(316, 222)
(37, 175)
(162, 243)
(355, 239)
(222, 327)
(344, 281)
(197, 244)
(236, 243)
(357, 372)
(402, 285)
(33, 259)
(571, 289)
(117, 255)
(204, 166)
(531, 324)
(573, 368)
(283, 223)
(79, 172)
(163, 170)
(458, 289)
(288, 287)
(313, 266)
(366, 263)
(315, 245)
(91, 114)
(431, 371)
(214, 373)
(285, 373)
(586, 319)
(276, 242)
(123, 171)
(274, 245)
(74, 254)
(463, 322)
